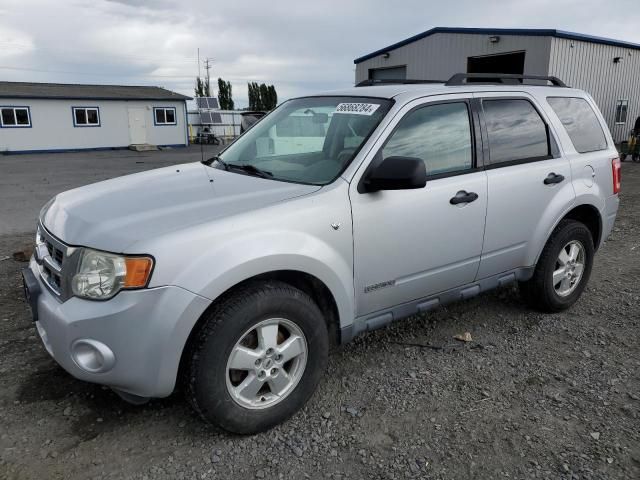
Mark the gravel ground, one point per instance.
(532, 396)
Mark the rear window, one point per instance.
(580, 122)
(516, 131)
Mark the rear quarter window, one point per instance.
(580, 122)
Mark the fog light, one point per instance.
(92, 356)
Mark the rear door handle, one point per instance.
(463, 197)
(553, 178)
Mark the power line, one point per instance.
(150, 75)
(185, 59)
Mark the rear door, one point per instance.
(529, 181)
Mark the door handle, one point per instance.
(463, 197)
(553, 178)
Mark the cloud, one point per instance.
(14, 43)
(301, 47)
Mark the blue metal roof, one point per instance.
(529, 32)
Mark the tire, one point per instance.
(541, 292)
(211, 378)
(623, 157)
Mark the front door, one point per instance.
(137, 126)
(410, 244)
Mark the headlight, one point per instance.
(101, 275)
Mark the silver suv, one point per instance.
(334, 215)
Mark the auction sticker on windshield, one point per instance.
(357, 108)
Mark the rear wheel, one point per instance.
(563, 268)
(259, 357)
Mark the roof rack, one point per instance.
(374, 82)
(500, 78)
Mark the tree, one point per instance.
(255, 102)
(252, 99)
(225, 95)
(273, 97)
(203, 87)
(262, 97)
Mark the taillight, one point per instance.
(615, 169)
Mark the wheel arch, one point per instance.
(308, 283)
(585, 213)
(590, 217)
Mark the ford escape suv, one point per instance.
(333, 215)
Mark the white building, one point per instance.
(46, 117)
(608, 69)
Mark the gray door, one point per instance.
(529, 184)
(412, 243)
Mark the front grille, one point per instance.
(52, 257)
(56, 253)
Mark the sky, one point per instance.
(300, 47)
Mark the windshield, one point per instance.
(306, 140)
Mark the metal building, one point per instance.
(608, 69)
(45, 117)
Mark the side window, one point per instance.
(439, 135)
(515, 130)
(580, 122)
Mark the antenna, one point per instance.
(199, 104)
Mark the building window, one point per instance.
(86, 117)
(15, 117)
(164, 115)
(621, 111)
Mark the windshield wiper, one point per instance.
(250, 169)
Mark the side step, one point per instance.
(142, 147)
(382, 318)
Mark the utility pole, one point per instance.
(207, 65)
(199, 72)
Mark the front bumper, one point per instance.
(145, 330)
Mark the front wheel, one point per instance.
(258, 358)
(563, 269)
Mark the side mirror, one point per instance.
(396, 173)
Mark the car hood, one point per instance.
(115, 214)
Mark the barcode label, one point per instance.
(357, 108)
